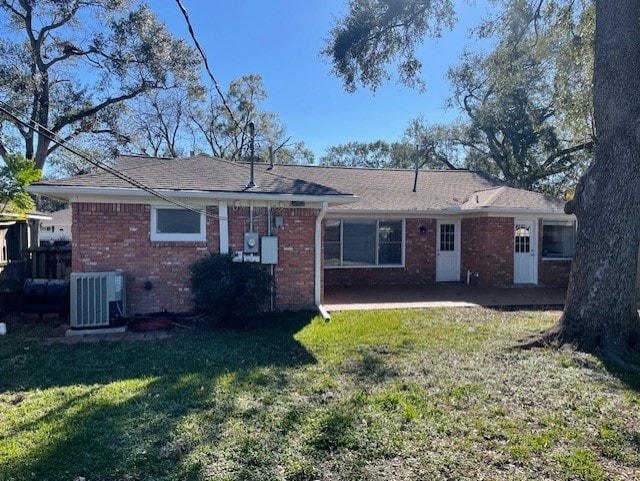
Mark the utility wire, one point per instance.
(206, 62)
(53, 137)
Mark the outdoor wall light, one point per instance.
(423, 230)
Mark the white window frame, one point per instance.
(176, 237)
(377, 247)
(561, 223)
(4, 251)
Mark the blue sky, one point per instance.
(281, 40)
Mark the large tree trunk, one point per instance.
(601, 311)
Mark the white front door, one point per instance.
(524, 252)
(448, 251)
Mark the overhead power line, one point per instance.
(53, 137)
(206, 62)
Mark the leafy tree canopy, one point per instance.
(375, 155)
(15, 175)
(422, 144)
(528, 109)
(526, 106)
(375, 34)
(70, 65)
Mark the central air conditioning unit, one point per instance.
(96, 298)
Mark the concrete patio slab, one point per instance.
(438, 295)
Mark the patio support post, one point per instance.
(223, 221)
(318, 262)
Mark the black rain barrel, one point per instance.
(57, 294)
(44, 295)
(34, 291)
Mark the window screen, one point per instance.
(390, 242)
(177, 221)
(359, 246)
(363, 242)
(558, 239)
(332, 244)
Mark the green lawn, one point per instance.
(407, 395)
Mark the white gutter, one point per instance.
(74, 191)
(354, 212)
(318, 262)
(27, 216)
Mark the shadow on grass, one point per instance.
(27, 364)
(627, 371)
(127, 410)
(370, 368)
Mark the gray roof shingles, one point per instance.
(377, 189)
(200, 173)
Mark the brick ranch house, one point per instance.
(313, 226)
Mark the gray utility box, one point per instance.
(269, 250)
(251, 243)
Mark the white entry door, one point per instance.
(524, 252)
(448, 251)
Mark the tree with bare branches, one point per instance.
(68, 67)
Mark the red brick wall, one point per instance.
(116, 237)
(296, 260)
(294, 273)
(553, 273)
(419, 268)
(110, 237)
(487, 248)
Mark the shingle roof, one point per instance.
(200, 173)
(377, 189)
(392, 189)
(508, 197)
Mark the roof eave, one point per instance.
(12, 216)
(513, 211)
(387, 212)
(449, 211)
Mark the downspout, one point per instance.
(318, 262)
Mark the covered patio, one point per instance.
(342, 298)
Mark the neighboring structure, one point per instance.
(58, 229)
(18, 233)
(314, 226)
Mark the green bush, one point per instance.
(232, 293)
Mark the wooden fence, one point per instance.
(15, 271)
(51, 262)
